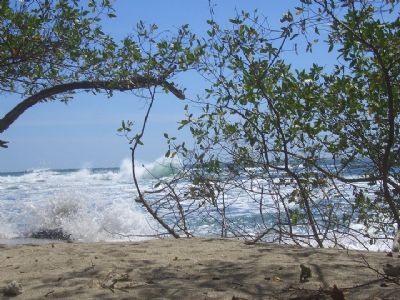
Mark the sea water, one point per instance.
(90, 204)
(99, 205)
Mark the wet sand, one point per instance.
(191, 269)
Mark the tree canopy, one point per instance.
(315, 151)
(51, 48)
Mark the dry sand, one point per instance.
(191, 269)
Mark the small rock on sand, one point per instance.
(14, 288)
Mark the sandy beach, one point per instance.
(191, 269)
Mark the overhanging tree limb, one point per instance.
(134, 83)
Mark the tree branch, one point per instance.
(135, 82)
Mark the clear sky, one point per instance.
(83, 132)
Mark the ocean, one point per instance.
(93, 205)
(90, 204)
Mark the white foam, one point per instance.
(86, 217)
(7, 230)
(91, 205)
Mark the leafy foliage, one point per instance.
(45, 43)
(49, 49)
(304, 138)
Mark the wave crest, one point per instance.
(161, 167)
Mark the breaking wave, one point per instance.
(87, 204)
(161, 167)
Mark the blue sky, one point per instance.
(83, 132)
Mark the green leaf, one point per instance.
(235, 21)
(299, 10)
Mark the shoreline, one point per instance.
(191, 269)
